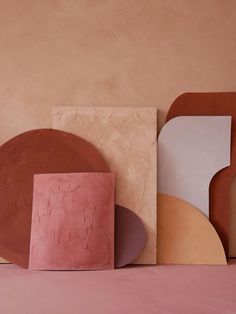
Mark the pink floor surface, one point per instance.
(147, 289)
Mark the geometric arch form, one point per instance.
(130, 236)
(191, 150)
(214, 104)
(185, 235)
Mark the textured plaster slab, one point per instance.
(126, 137)
(191, 150)
(185, 235)
(72, 221)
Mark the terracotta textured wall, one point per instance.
(103, 52)
(100, 52)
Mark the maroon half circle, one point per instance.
(34, 152)
(130, 236)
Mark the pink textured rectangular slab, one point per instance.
(72, 221)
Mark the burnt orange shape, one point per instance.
(185, 235)
(214, 104)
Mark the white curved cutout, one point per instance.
(191, 150)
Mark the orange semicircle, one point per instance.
(185, 235)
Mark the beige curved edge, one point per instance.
(3, 261)
(185, 235)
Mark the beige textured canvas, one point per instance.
(126, 136)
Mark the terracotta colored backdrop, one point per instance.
(101, 52)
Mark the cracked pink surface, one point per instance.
(72, 221)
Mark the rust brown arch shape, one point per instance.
(214, 104)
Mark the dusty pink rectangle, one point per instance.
(72, 221)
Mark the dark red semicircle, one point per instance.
(32, 152)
